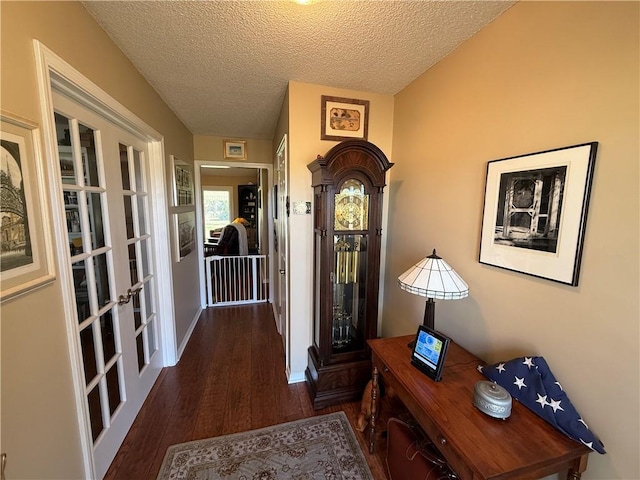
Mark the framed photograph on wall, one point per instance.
(182, 183)
(184, 225)
(535, 212)
(235, 149)
(25, 244)
(343, 118)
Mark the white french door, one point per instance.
(104, 183)
(282, 237)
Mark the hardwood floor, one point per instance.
(231, 378)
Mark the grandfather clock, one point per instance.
(348, 183)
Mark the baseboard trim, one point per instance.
(296, 377)
(186, 338)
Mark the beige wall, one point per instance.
(305, 145)
(210, 148)
(40, 430)
(228, 181)
(543, 75)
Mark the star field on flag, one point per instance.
(530, 381)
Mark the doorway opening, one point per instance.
(226, 191)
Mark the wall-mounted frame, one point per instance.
(535, 212)
(235, 149)
(184, 225)
(343, 118)
(25, 244)
(275, 201)
(182, 183)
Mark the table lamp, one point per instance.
(432, 277)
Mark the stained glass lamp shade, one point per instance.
(433, 278)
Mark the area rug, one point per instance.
(322, 447)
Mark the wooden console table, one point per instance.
(475, 445)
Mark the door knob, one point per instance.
(124, 299)
(282, 271)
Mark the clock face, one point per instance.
(351, 212)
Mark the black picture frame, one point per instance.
(535, 212)
(275, 201)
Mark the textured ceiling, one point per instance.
(223, 66)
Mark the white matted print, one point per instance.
(182, 183)
(535, 212)
(235, 149)
(25, 245)
(185, 234)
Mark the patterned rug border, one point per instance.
(340, 416)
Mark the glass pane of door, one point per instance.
(106, 210)
(90, 255)
(136, 220)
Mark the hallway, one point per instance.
(231, 378)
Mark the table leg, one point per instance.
(580, 465)
(374, 409)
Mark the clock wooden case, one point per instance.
(348, 185)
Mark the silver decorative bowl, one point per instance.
(492, 399)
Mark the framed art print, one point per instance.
(343, 118)
(184, 225)
(235, 149)
(182, 183)
(535, 212)
(25, 244)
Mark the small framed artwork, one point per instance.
(182, 183)
(25, 245)
(235, 149)
(343, 118)
(185, 233)
(535, 212)
(275, 201)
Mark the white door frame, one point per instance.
(283, 243)
(55, 73)
(200, 225)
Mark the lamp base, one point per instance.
(429, 318)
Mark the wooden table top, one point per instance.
(517, 447)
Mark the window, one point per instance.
(217, 208)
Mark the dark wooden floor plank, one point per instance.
(215, 378)
(231, 378)
(237, 412)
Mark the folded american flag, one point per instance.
(530, 381)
